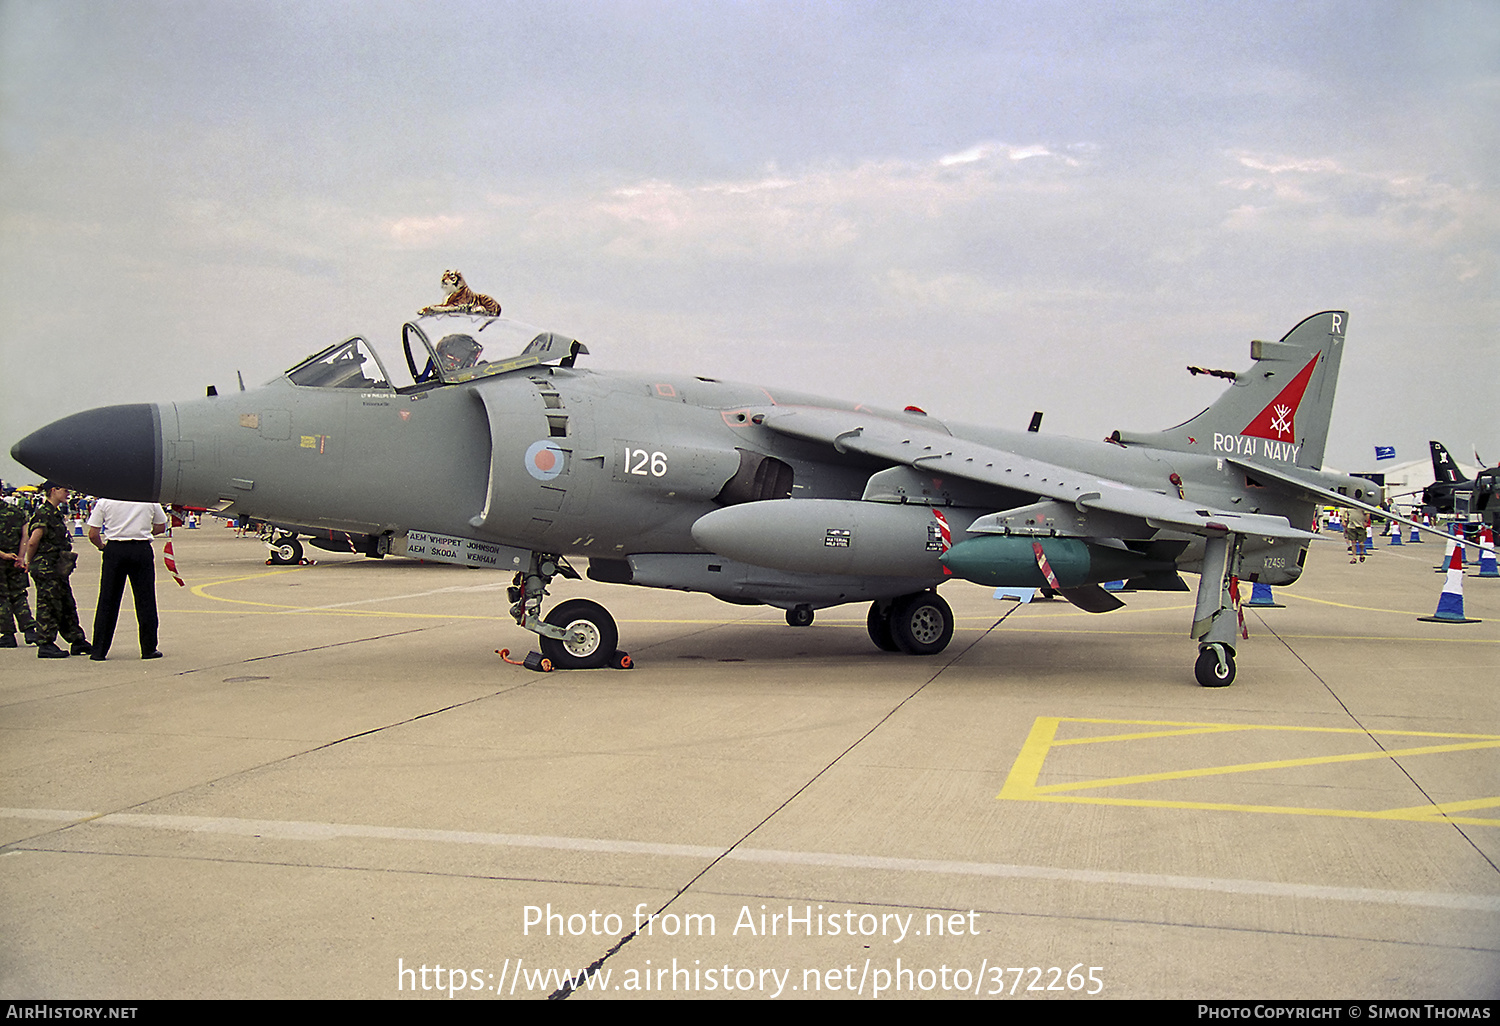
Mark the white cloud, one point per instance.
(1325, 201)
(994, 151)
(426, 232)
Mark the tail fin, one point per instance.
(1443, 467)
(1278, 411)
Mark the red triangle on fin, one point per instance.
(1278, 420)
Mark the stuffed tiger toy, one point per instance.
(462, 299)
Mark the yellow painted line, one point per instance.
(1021, 783)
(197, 589)
(1447, 807)
(1252, 767)
(980, 623)
(1144, 735)
(1443, 639)
(1363, 609)
(311, 610)
(1028, 765)
(201, 590)
(1428, 815)
(1277, 727)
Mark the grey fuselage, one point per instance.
(636, 462)
(673, 481)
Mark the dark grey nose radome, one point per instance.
(113, 452)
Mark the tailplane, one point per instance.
(1278, 411)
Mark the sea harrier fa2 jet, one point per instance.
(749, 495)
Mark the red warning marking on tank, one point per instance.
(1045, 567)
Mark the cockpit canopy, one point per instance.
(456, 357)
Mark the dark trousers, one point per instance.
(135, 561)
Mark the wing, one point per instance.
(1315, 492)
(931, 450)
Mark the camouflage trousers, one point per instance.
(56, 612)
(15, 608)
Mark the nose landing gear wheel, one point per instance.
(593, 622)
(286, 551)
(1210, 671)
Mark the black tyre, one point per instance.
(921, 624)
(799, 616)
(286, 551)
(879, 625)
(1208, 671)
(601, 636)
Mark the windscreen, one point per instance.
(350, 364)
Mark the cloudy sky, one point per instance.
(979, 208)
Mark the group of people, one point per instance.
(40, 545)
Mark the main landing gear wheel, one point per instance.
(878, 623)
(921, 624)
(286, 550)
(600, 636)
(799, 616)
(1211, 671)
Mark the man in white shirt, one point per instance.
(123, 532)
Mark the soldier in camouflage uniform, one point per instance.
(14, 607)
(48, 554)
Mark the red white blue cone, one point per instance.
(1487, 567)
(1260, 595)
(1395, 533)
(1448, 551)
(1450, 607)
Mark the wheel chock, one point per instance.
(533, 661)
(621, 661)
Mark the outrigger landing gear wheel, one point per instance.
(593, 622)
(1211, 670)
(921, 624)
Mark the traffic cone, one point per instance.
(1260, 595)
(1395, 533)
(1450, 607)
(1448, 551)
(1487, 566)
(1416, 536)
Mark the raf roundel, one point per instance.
(544, 460)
